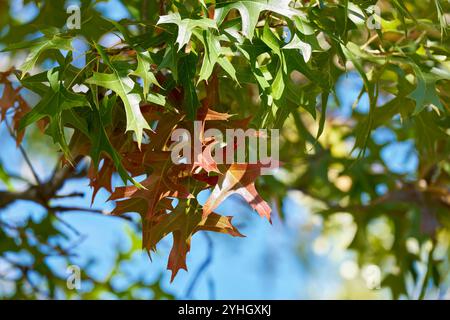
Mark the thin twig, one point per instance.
(70, 195)
(88, 210)
(68, 225)
(202, 267)
(24, 154)
(66, 209)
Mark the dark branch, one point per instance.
(44, 191)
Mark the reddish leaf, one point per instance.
(205, 159)
(239, 179)
(158, 186)
(102, 178)
(183, 222)
(8, 98)
(205, 113)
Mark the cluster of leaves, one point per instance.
(276, 61)
(163, 101)
(30, 249)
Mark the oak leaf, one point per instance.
(239, 179)
(183, 222)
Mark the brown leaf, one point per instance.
(239, 179)
(158, 186)
(183, 222)
(8, 98)
(205, 159)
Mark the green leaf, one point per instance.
(278, 85)
(52, 105)
(4, 177)
(143, 71)
(100, 143)
(250, 11)
(41, 45)
(305, 48)
(323, 116)
(170, 61)
(122, 85)
(302, 25)
(352, 52)
(214, 54)
(425, 93)
(187, 68)
(186, 26)
(271, 40)
(157, 99)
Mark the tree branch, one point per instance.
(43, 192)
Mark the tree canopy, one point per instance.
(111, 93)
